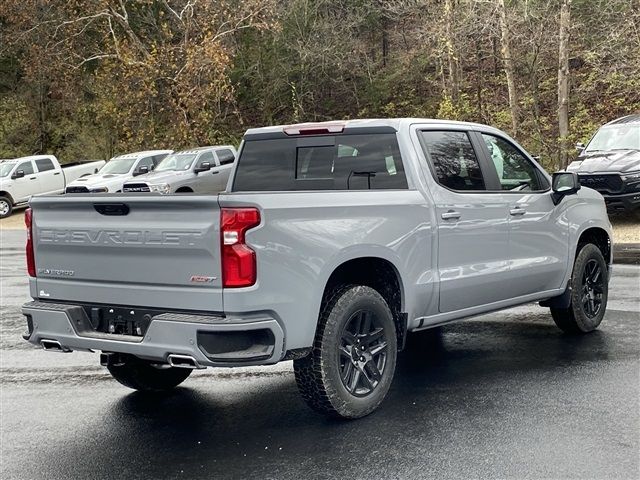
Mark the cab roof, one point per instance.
(627, 120)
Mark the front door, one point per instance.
(538, 237)
(472, 223)
(26, 186)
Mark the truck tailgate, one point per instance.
(131, 250)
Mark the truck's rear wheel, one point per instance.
(6, 207)
(589, 292)
(349, 371)
(139, 374)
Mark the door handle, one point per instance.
(32, 178)
(57, 173)
(517, 211)
(214, 172)
(450, 215)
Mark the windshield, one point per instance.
(6, 167)
(619, 137)
(118, 165)
(177, 161)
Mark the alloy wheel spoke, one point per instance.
(355, 378)
(373, 336)
(372, 369)
(379, 348)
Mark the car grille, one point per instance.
(610, 183)
(136, 187)
(77, 190)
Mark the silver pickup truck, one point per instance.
(332, 242)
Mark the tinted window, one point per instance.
(225, 156)
(453, 159)
(26, 167)
(44, 164)
(343, 162)
(207, 157)
(146, 162)
(515, 171)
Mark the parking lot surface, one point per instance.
(505, 395)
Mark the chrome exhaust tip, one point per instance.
(183, 361)
(53, 346)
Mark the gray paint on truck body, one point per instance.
(448, 270)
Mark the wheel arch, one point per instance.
(184, 190)
(4, 193)
(376, 272)
(600, 238)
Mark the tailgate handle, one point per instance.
(111, 209)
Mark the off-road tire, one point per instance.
(142, 375)
(7, 209)
(575, 319)
(318, 375)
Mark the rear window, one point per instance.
(341, 162)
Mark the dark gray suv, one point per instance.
(610, 163)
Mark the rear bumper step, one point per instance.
(182, 340)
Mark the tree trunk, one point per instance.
(563, 83)
(452, 60)
(509, 68)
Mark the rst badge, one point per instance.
(202, 279)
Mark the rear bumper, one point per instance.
(626, 201)
(254, 339)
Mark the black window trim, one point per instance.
(494, 173)
(486, 176)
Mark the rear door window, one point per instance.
(225, 156)
(341, 162)
(44, 164)
(453, 160)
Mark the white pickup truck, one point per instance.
(117, 171)
(24, 177)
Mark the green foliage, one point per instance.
(82, 80)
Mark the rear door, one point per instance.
(472, 222)
(49, 177)
(129, 250)
(226, 159)
(538, 236)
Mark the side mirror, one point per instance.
(580, 147)
(18, 174)
(203, 167)
(141, 170)
(563, 184)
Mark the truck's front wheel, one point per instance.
(589, 293)
(349, 371)
(139, 374)
(6, 207)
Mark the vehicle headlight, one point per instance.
(99, 190)
(160, 188)
(631, 176)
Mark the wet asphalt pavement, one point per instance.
(506, 395)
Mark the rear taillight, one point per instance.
(31, 263)
(238, 260)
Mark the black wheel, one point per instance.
(589, 292)
(6, 207)
(139, 374)
(349, 371)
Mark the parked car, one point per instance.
(199, 170)
(332, 242)
(112, 176)
(24, 177)
(610, 163)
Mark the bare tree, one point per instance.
(509, 67)
(563, 82)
